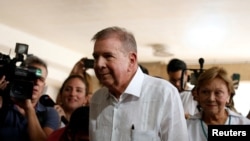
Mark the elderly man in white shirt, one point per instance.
(132, 106)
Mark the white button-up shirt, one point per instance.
(150, 109)
(189, 104)
(198, 130)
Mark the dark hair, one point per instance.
(144, 70)
(31, 60)
(79, 120)
(122, 34)
(176, 65)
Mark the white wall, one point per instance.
(52, 92)
(59, 59)
(242, 98)
(10, 36)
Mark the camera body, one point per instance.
(193, 78)
(89, 63)
(21, 79)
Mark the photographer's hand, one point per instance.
(79, 67)
(26, 108)
(3, 83)
(34, 127)
(60, 111)
(23, 105)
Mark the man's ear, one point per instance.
(133, 60)
(133, 57)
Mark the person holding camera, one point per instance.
(80, 69)
(76, 130)
(178, 76)
(27, 119)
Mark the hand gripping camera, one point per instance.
(21, 79)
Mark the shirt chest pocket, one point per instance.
(137, 135)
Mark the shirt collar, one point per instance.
(40, 107)
(135, 85)
(230, 113)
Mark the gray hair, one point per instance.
(127, 38)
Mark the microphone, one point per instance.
(48, 102)
(201, 61)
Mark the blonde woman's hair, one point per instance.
(218, 72)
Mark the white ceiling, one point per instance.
(61, 30)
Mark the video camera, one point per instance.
(21, 78)
(193, 77)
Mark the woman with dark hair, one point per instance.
(76, 130)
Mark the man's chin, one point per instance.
(105, 84)
(35, 95)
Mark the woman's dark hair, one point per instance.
(144, 69)
(78, 123)
(79, 120)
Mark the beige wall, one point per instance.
(159, 69)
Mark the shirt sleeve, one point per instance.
(173, 125)
(52, 119)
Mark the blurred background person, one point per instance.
(194, 93)
(144, 69)
(80, 69)
(215, 91)
(248, 115)
(175, 68)
(76, 130)
(27, 119)
(72, 94)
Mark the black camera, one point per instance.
(193, 77)
(89, 63)
(21, 78)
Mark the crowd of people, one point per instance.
(24, 119)
(130, 105)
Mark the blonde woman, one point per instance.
(215, 93)
(72, 95)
